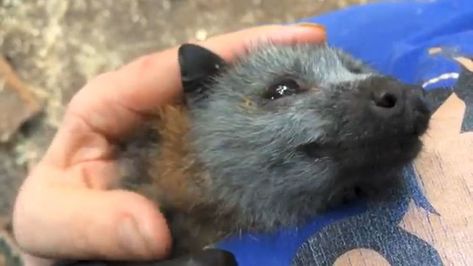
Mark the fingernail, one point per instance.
(131, 238)
(312, 25)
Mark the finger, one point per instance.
(79, 223)
(146, 74)
(153, 80)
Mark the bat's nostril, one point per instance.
(385, 100)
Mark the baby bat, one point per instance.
(269, 140)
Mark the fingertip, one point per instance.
(311, 32)
(132, 228)
(297, 32)
(142, 228)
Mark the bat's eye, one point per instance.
(282, 88)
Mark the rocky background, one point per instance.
(49, 48)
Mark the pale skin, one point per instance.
(69, 205)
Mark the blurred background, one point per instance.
(49, 48)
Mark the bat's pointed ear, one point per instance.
(197, 66)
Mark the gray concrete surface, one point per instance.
(56, 45)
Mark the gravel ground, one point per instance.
(56, 45)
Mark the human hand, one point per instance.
(69, 205)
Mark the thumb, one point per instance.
(78, 223)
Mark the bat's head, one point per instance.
(285, 129)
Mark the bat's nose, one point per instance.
(390, 99)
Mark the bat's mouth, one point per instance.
(362, 153)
